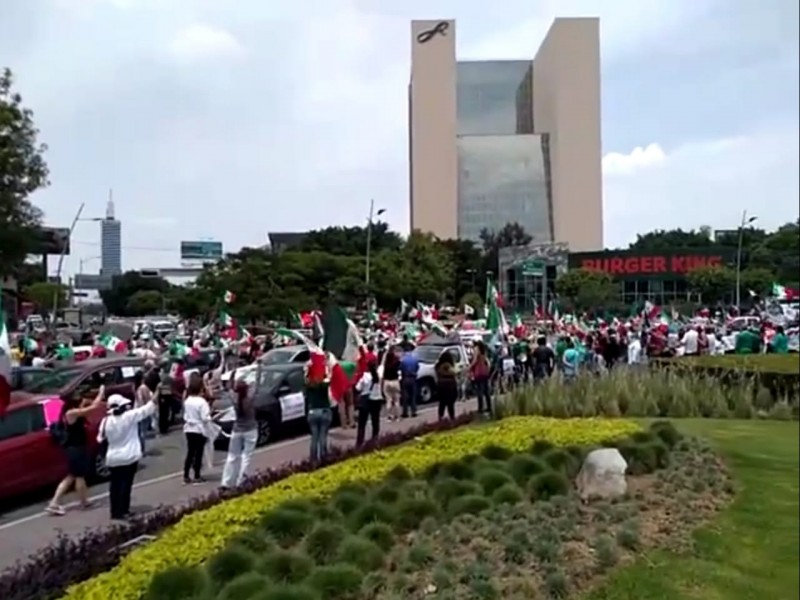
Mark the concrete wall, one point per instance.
(566, 104)
(433, 160)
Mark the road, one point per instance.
(26, 529)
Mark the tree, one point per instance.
(714, 284)
(585, 289)
(512, 234)
(351, 241)
(124, 286)
(469, 274)
(42, 294)
(661, 240)
(145, 302)
(473, 300)
(756, 279)
(22, 172)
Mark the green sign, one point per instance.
(533, 268)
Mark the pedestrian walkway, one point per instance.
(26, 536)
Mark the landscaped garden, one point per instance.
(489, 509)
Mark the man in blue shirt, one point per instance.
(409, 367)
(570, 362)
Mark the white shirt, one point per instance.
(38, 361)
(634, 352)
(122, 434)
(689, 341)
(365, 387)
(713, 345)
(196, 414)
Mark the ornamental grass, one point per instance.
(199, 536)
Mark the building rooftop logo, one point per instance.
(439, 29)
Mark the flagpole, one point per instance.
(369, 244)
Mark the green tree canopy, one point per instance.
(116, 300)
(22, 172)
(584, 289)
(713, 284)
(42, 294)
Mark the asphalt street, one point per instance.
(26, 528)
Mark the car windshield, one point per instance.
(428, 354)
(278, 356)
(52, 383)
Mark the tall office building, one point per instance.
(499, 141)
(110, 243)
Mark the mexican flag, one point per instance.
(178, 349)
(495, 317)
(779, 291)
(64, 352)
(342, 347)
(230, 328)
(5, 366)
(112, 343)
(229, 297)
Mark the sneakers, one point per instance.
(56, 510)
(198, 481)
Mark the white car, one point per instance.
(428, 355)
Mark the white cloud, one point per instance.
(200, 42)
(707, 182)
(615, 163)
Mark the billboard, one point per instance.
(201, 250)
(52, 240)
(88, 281)
(649, 265)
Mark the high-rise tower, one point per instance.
(110, 242)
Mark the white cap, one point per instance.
(117, 401)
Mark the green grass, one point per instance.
(783, 364)
(752, 550)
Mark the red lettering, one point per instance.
(714, 261)
(646, 264)
(589, 263)
(678, 264)
(659, 264)
(616, 265)
(631, 265)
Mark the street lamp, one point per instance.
(745, 221)
(372, 215)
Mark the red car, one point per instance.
(29, 457)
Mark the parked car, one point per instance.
(31, 459)
(278, 397)
(286, 354)
(428, 355)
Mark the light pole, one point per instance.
(745, 221)
(372, 215)
(57, 289)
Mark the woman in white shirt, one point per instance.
(370, 402)
(196, 417)
(120, 430)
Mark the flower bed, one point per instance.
(491, 524)
(199, 535)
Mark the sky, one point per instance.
(223, 121)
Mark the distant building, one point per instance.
(110, 243)
(499, 141)
(282, 241)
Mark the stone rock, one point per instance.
(602, 475)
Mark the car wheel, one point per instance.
(425, 392)
(101, 470)
(264, 432)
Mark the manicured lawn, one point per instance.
(752, 550)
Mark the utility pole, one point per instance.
(57, 291)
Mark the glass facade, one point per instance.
(503, 167)
(503, 179)
(110, 247)
(489, 96)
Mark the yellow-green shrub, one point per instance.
(200, 534)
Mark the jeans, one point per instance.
(484, 394)
(120, 488)
(319, 422)
(164, 413)
(240, 451)
(195, 445)
(143, 428)
(368, 410)
(408, 396)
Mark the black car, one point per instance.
(279, 401)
